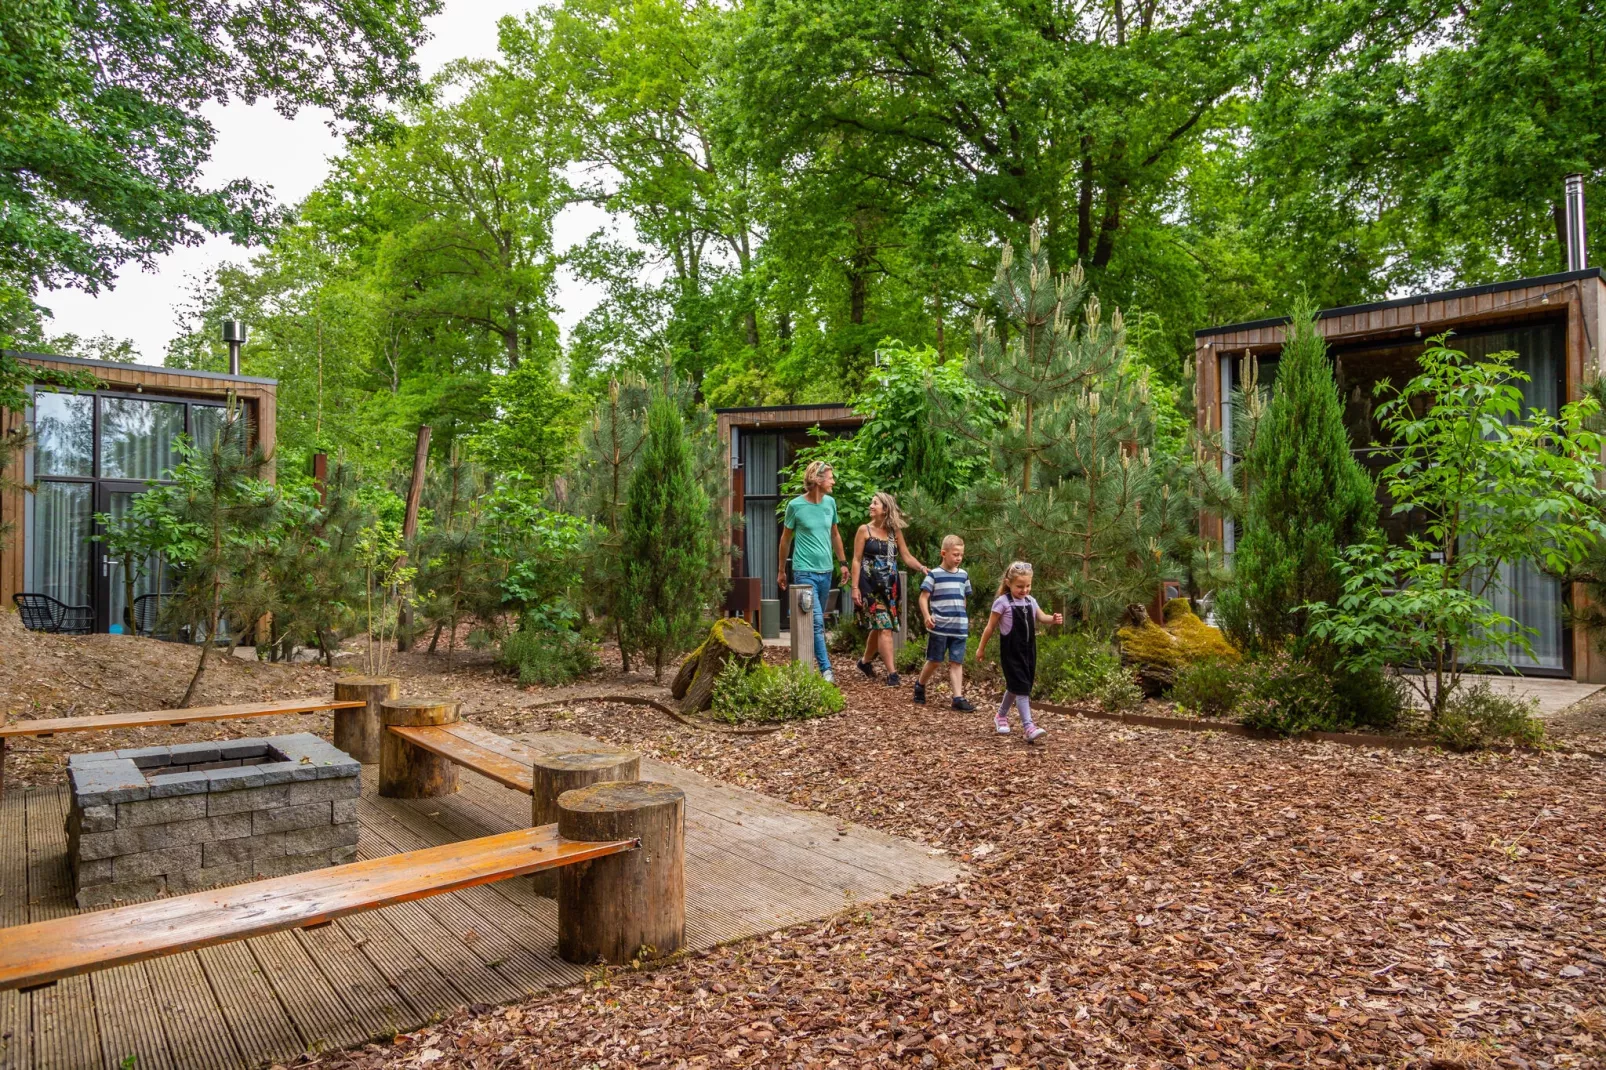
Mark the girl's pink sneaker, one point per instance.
(1033, 733)
(1001, 725)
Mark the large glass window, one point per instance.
(137, 437)
(94, 453)
(64, 435)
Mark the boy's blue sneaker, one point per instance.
(960, 702)
(920, 694)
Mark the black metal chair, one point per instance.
(147, 613)
(42, 613)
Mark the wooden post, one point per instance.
(628, 905)
(415, 494)
(406, 771)
(901, 636)
(320, 477)
(803, 625)
(358, 732)
(554, 774)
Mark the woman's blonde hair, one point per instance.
(814, 475)
(1015, 570)
(889, 505)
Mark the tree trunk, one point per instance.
(629, 905)
(554, 774)
(406, 771)
(730, 638)
(359, 732)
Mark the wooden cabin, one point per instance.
(1555, 323)
(759, 444)
(93, 452)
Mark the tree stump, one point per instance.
(358, 732)
(406, 771)
(730, 638)
(617, 908)
(555, 774)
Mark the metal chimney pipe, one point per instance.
(1577, 253)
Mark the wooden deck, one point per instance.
(752, 865)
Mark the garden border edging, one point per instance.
(1348, 739)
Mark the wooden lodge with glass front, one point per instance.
(1554, 323)
(92, 452)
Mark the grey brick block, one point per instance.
(105, 894)
(169, 784)
(342, 811)
(97, 872)
(281, 865)
(206, 829)
(96, 818)
(339, 856)
(307, 841)
(242, 748)
(157, 863)
(236, 778)
(107, 783)
(190, 753)
(325, 790)
(247, 799)
(148, 757)
(228, 852)
(161, 811)
(274, 773)
(96, 845)
(289, 818)
(212, 876)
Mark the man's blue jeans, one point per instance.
(821, 582)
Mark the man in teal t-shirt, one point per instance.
(812, 536)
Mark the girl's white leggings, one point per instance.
(1023, 703)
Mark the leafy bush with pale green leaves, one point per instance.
(768, 693)
(548, 657)
(1073, 666)
(1480, 716)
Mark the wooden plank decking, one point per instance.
(752, 865)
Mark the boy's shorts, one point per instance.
(951, 646)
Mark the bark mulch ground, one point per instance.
(1136, 898)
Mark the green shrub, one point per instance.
(548, 658)
(912, 656)
(847, 637)
(1369, 698)
(1209, 688)
(1479, 716)
(769, 693)
(1073, 666)
(1118, 690)
(1286, 695)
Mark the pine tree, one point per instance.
(670, 551)
(1084, 492)
(1306, 498)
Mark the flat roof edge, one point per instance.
(1402, 302)
(788, 408)
(85, 362)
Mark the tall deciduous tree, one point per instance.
(672, 557)
(101, 104)
(1308, 499)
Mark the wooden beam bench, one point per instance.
(629, 895)
(51, 726)
(425, 743)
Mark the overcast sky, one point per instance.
(291, 156)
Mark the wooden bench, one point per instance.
(47, 727)
(42, 953)
(503, 760)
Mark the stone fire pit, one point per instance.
(197, 815)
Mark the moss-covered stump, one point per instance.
(730, 638)
(1157, 653)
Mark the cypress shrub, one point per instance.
(669, 549)
(1309, 498)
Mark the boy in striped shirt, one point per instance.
(942, 604)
